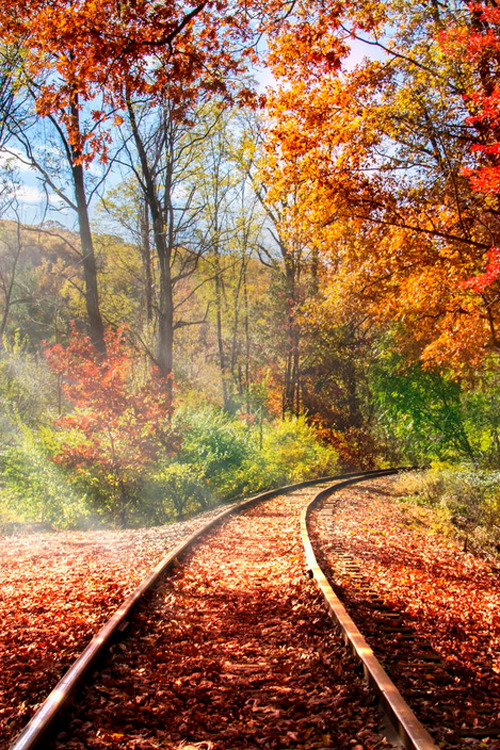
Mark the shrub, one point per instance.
(183, 490)
(471, 497)
(117, 431)
(291, 452)
(217, 448)
(228, 458)
(32, 488)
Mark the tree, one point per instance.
(478, 43)
(125, 209)
(80, 63)
(230, 227)
(288, 251)
(116, 430)
(383, 148)
(162, 152)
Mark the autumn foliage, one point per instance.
(274, 258)
(396, 161)
(116, 430)
(482, 44)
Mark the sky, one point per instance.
(35, 206)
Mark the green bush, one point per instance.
(291, 453)
(217, 448)
(226, 458)
(183, 490)
(33, 488)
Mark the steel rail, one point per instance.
(408, 728)
(35, 733)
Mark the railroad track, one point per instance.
(192, 616)
(460, 705)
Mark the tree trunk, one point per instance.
(227, 393)
(355, 415)
(146, 261)
(291, 391)
(89, 262)
(247, 337)
(164, 252)
(87, 245)
(9, 285)
(165, 317)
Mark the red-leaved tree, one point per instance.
(479, 43)
(116, 431)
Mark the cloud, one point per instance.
(30, 194)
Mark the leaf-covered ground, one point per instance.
(233, 651)
(56, 591)
(449, 600)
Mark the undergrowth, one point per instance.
(468, 496)
(220, 457)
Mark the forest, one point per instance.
(245, 244)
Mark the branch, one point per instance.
(420, 230)
(399, 56)
(168, 39)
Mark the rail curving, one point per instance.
(408, 728)
(41, 727)
(35, 734)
